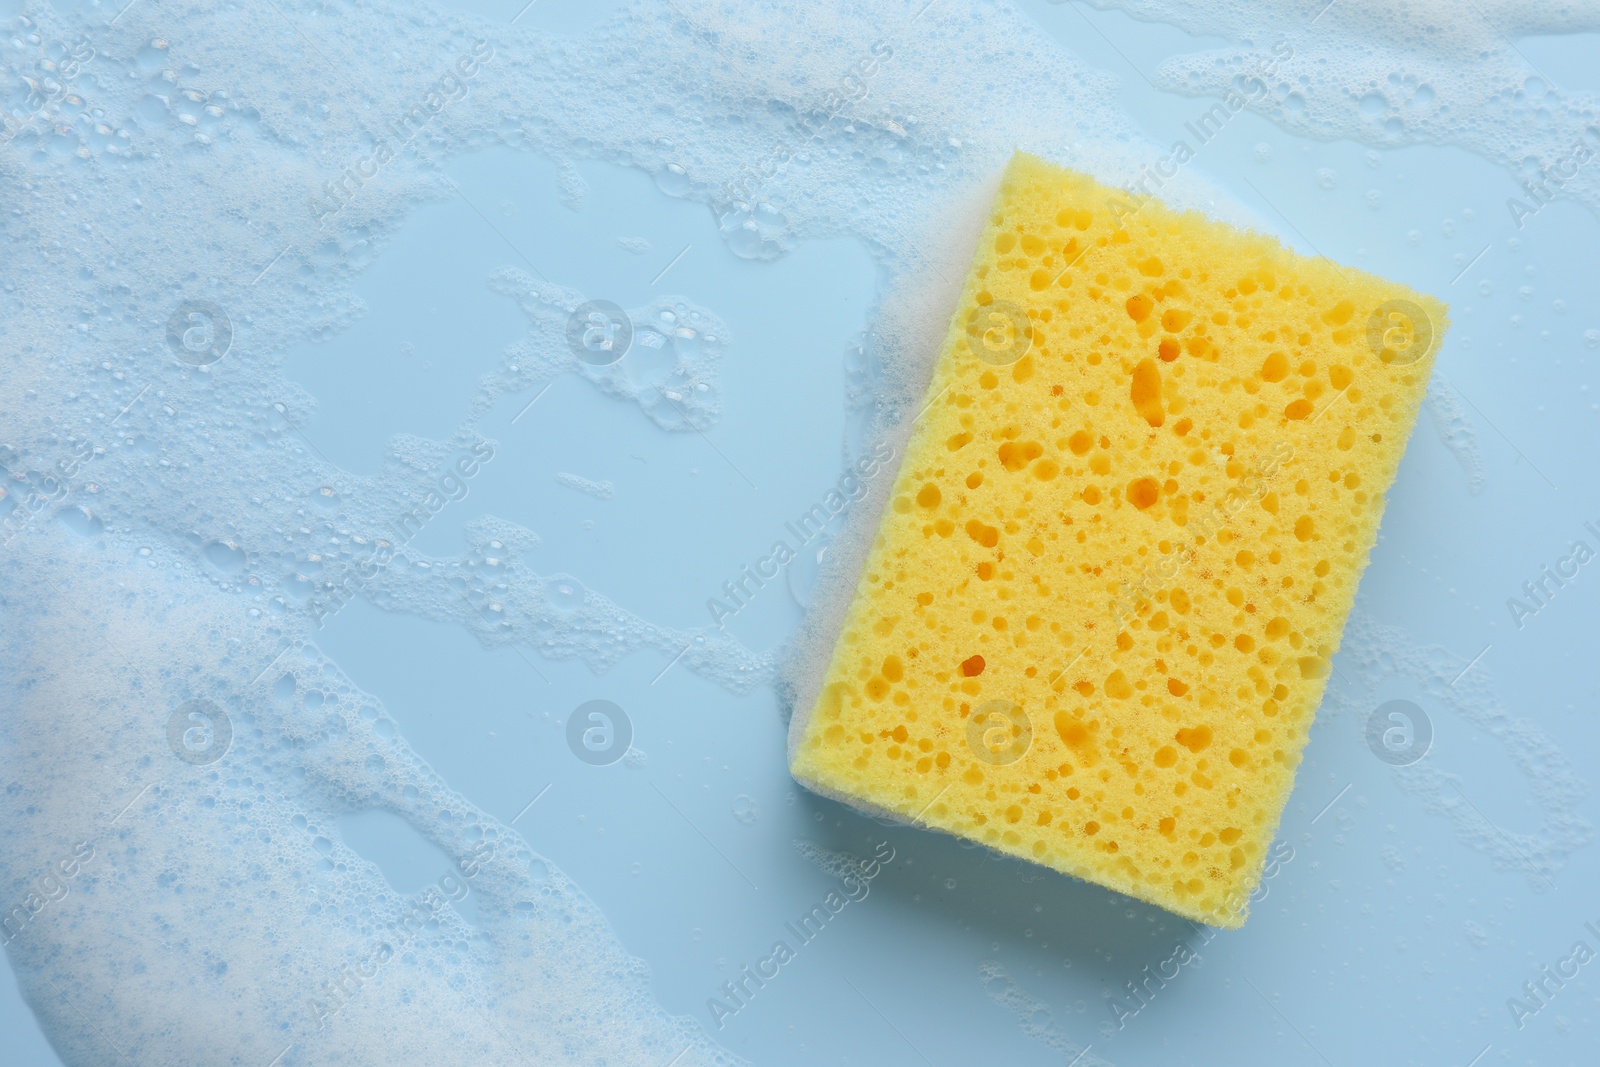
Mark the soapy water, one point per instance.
(1432, 72)
(193, 191)
(1035, 1016)
(1373, 656)
(226, 838)
(663, 357)
(1455, 429)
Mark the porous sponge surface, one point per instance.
(1099, 612)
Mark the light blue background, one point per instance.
(1368, 962)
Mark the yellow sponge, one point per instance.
(1100, 608)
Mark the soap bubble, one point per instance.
(800, 574)
(564, 594)
(80, 520)
(672, 180)
(225, 556)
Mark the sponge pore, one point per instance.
(1103, 599)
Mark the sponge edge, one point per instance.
(1099, 609)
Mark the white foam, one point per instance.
(1418, 72)
(1033, 1015)
(598, 490)
(1373, 658)
(217, 888)
(1456, 431)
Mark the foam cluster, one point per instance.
(1413, 73)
